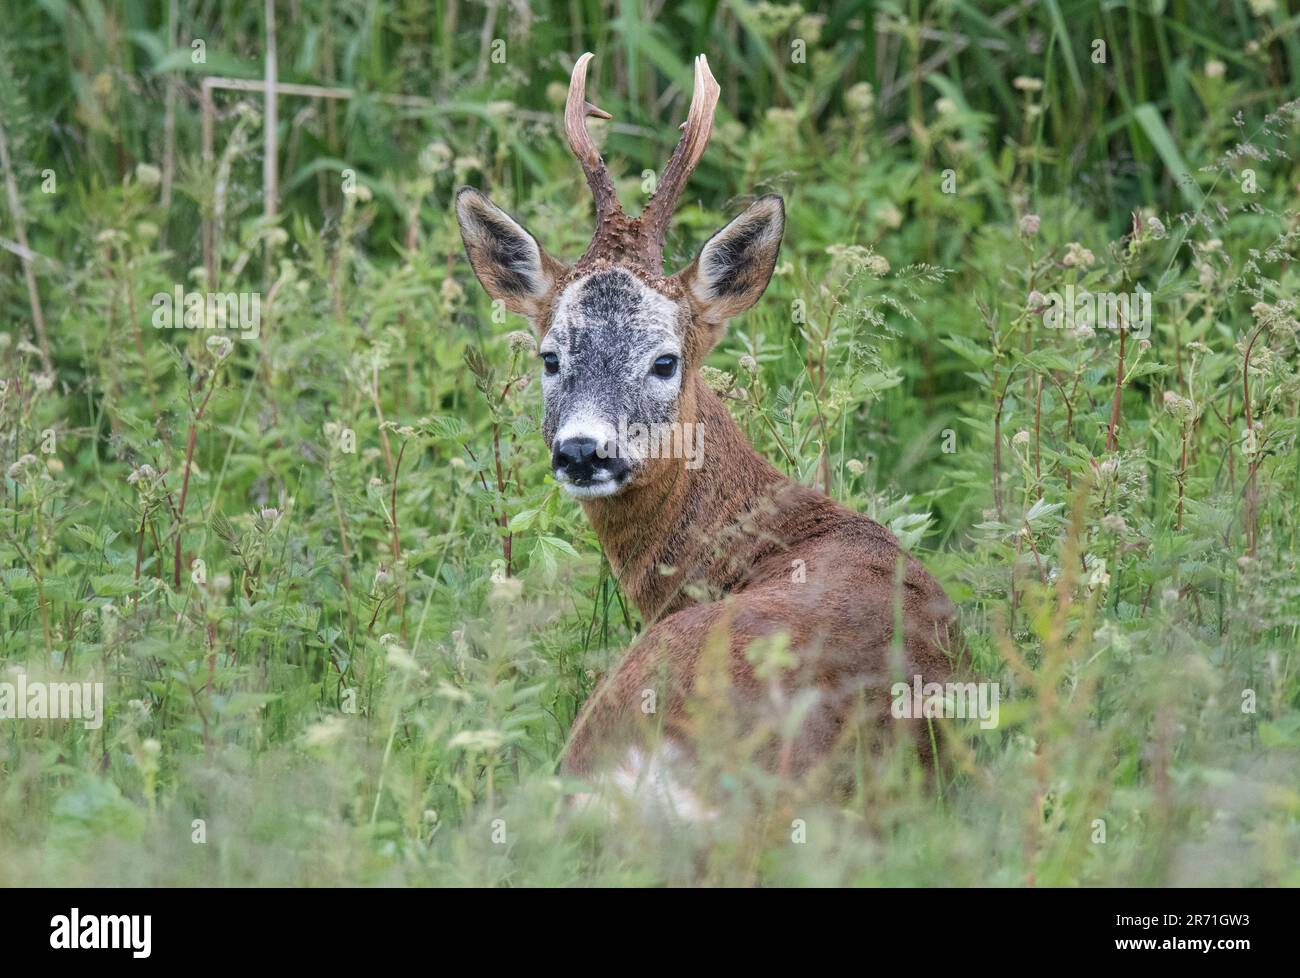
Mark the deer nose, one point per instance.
(574, 452)
(585, 460)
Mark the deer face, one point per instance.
(620, 344)
(611, 365)
(618, 354)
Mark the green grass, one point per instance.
(350, 690)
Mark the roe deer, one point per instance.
(718, 555)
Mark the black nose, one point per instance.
(584, 461)
(574, 453)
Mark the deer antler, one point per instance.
(576, 109)
(695, 137)
(641, 240)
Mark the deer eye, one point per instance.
(551, 362)
(665, 366)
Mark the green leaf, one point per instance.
(545, 554)
(113, 585)
(1153, 125)
(523, 519)
(965, 347)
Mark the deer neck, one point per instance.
(661, 535)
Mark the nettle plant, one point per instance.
(1128, 457)
(807, 383)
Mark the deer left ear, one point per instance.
(736, 264)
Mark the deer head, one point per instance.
(620, 343)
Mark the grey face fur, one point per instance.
(607, 332)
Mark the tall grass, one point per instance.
(345, 619)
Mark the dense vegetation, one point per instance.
(343, 616)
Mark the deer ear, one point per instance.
(507, 259)
(736, 264)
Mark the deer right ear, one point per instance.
(507, 259)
